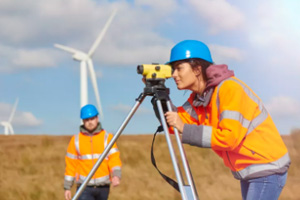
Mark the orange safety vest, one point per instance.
(236, 125)
(82, 154)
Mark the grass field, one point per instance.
(32, 168)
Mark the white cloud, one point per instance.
(134, 55)
(26, 119)
(220, 15)
(30, 20)
(14, 59)
(284, 107)
(33, 58)
(274, 30)
(222, 54)
(165, 6)
(126, 109)
(16, 19)
(38, 25)
(20, 119)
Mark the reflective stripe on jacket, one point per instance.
(82, 154)
(236, 125)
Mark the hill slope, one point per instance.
(32, 168)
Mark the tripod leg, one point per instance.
(109, 146)
(171, 150)
(191, 190)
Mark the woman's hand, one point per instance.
(174, 120)
(144, 79)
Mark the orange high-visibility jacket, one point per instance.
(82, 154)
(236, 125)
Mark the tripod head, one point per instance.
(154, 87)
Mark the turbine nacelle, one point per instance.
(80, 56)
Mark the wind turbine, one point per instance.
(85, 60)
(8, 129)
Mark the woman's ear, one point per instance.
(198, 70)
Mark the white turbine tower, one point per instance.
(85, 60)
(8, 129)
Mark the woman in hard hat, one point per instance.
(224, 114)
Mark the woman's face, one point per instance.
(185, 77)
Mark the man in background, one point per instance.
(83, 152)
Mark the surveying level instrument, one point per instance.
(155, 71)
(154, 87)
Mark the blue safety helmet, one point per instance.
(190, 49)
(88, 111)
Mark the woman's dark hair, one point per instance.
(195, 62)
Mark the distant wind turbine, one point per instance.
(8, 129)
(86, 60)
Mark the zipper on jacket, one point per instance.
(92, 151)
(229, 159)
(231, 164)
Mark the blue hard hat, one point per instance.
(190, 49)
(88, 111)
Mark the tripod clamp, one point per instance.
(157, 89)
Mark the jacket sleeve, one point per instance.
(114, 161)
(71, 164)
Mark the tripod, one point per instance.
(157, 89)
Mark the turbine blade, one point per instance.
(65, 48)
(95, 86)
(99, 38)
(13, 111)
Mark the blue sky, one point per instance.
(259, 40)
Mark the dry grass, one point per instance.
(32, 168)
